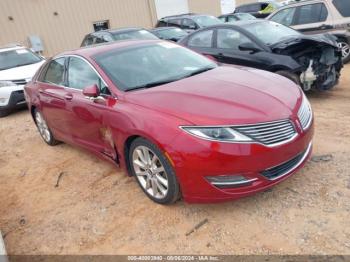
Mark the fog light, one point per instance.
(230, 181)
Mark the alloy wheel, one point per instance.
(150, 172)
(42, 127)
(345, 48)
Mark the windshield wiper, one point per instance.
(199, 71)
(152, 84)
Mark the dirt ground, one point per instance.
(96, 209)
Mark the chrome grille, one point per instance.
(271, 133)
(305, 114)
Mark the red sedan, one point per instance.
(177, 121)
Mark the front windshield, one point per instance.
(270, 32)
(18, 57)
(137, 34)
(151, 65)
(171, 33)
(207, 20)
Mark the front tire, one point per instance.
(43, 129)
(153, 172)
(4, 113)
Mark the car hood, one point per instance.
(306, 40)
(21, 72)
(223, 96)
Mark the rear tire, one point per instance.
(153, 172)
(44, 129)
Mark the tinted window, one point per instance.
(284, 16)
(228, 38)
(343, 6)
(81, 75)
(87, 41)
(135, 34)
(311, 14)
(222, 19)
(231, 18)
(201, 39)
(174, 22)
(188, 24)
(161, 23)
(151, 64)
(55, 72)
(16, 58)
(253, 8)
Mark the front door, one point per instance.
(228, 51)
(88, 122)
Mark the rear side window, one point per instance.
(174, 22)
(188, 24)
(285, 16)
(161, 23)
(343, 7)
(232, 18)
(55, 72)
(311, 14)
(201, 39)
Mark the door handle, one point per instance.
(68, 97)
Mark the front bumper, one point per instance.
(12, 98)
(253, 161)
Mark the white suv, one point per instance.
(18, 65)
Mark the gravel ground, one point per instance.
(96, 209)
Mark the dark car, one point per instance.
(229, 18)
(117, 35)
(310, 61)
(259, 9)
(319, 16)
(169, 33)
(188, 22)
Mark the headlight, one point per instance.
(6, 83)
(225, 134)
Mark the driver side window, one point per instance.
(231, 39)
(81, 75)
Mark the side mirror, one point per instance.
(91, 91)
(249, 47)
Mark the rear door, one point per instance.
(54, 97)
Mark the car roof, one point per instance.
(164, 28)
(118, 30)
(301, 2)
(11, 47)
(183, 16)
(93, 50)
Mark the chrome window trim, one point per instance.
(86, 61)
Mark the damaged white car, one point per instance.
(18, 65)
